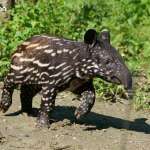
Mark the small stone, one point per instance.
(4, 120)
(74, 138)
(104, 130)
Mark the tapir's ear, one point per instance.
(105, 36)
(90, 36)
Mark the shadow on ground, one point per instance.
(95, 121)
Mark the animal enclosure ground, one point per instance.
(109, 126)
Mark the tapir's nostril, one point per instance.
(130, 93)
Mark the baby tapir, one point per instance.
(50, 64)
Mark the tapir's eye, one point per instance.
(108, 61)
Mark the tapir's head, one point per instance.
(107, 63)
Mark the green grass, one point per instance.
(127, 20)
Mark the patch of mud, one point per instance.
(110, 126)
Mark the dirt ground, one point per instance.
(110, 126)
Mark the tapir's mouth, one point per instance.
(115, 80)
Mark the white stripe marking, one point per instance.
(17, 77)
(44, 73)
(16, 67)
(27, 59)
(17, 55)
(75, 56)
(55, 39)
(26, 43)
(55, 75)
(66, 68)
(67, 72)
(60, 65)
(41, 64)
(67, 76)
(57, 81)
(59, 43)
(51, 67)
(42, 47)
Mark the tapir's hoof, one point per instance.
(80, 112)
(4, 105)
(43, 121)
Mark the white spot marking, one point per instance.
(77, 63)
(89, 67)
(65, 50)
(38, 74)
(52, 90)
(35, 71)
(45, 99)
(46, 92)
(59, 51)
(52, 82)
(89, 60)
(48, 51)
(32, 78)
(84, 65)
(95, 65)
(53, 54)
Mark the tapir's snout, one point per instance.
(125, 78)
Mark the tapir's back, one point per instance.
(44, 54)
(42, 45)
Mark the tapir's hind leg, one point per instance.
(7, 92)
(26, 96)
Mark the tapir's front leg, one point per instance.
(87, 102)
(47, 102)
(8, 89)
(87, 98)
